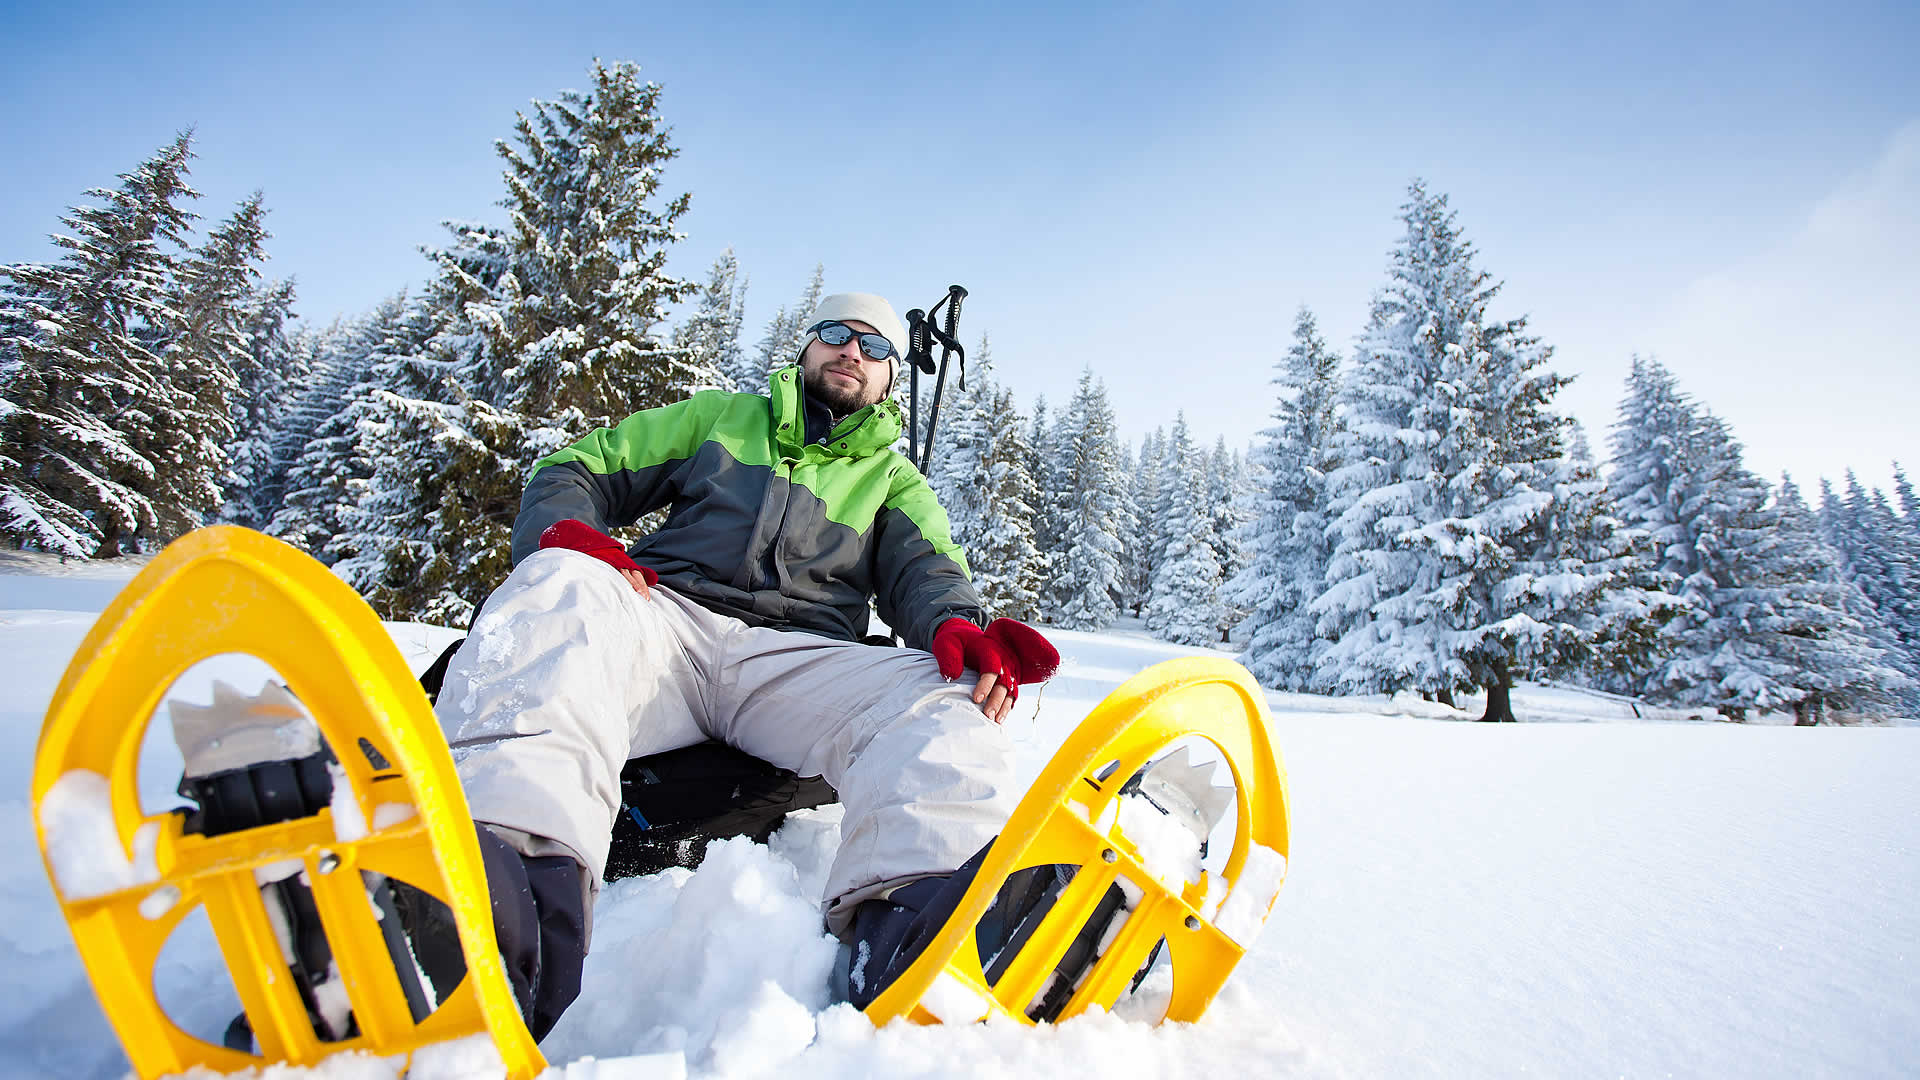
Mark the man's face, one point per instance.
(841, 376)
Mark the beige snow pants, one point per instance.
(569, 672)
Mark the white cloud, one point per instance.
(1809, 349)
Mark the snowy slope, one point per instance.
(1606, 898)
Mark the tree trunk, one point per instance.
(1445, 697)
(1802, 713)
(1499, 697)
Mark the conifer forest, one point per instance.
(1417, 517)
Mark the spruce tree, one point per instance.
(540, 331)
(1444, 576)
(272, 373)
(1148, 472)
(780, 343)
(1046, 465)
(956, 471)
(1285, 538)
(84, 386)
(1097, 511)
(1878, 555)
(1012, 571)
(1227, 502)
(1838, 652)
(1625, 627)
(320, 447)
(1679, 478)
(980, 474)
(710, 338)
(205, 343)
(1184, 606)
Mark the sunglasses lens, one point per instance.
(835, 333)
(876, 346)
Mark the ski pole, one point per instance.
(949, 338)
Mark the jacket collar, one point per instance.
(865, 432)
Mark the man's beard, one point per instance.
(839, 398)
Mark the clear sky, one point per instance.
(1733, 188)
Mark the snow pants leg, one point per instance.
(568, 673)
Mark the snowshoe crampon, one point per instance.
(126, 880)
(1073, 820)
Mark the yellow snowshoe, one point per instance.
(393, 810)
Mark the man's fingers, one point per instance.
(984, 687)
(999, 704)
(991, 694)
(636, 579)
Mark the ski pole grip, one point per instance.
(919, 350)
(955, 294)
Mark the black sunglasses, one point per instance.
(833, 332)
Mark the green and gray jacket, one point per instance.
(766, 526)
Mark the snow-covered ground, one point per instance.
(1629, 897)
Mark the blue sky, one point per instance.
(1153, 192)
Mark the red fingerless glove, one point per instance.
(1012, 650)
(584, 538)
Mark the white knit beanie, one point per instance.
(866, 308)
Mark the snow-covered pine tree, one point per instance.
(955, 472)
(1679, 478)
(1148, 469)
(387, 475)
(1184, 606)
(553, 334)
(204, 341)
(1285, 539)
(1839, 653)
(1009, 564)
(780, 343)
(316, 453)
(1228, 503)
(710, 338)
(1624, 636)
(1046, 464)
(1154, 515)
(277, 368)
(1097, 505)
(1902, 533)
(83, 384)
(1441, 508)
(1878, 556)
(980, 474)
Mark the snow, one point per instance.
(1244, 914)
(1608, 895)
(83, 846)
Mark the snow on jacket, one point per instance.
(765, 526)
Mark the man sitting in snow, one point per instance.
(738, 620)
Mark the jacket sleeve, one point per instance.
(920, 575)
(615, 474)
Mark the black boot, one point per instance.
(887, 935)
(540, 923)
(253, 761)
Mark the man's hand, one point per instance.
(1007, 654)
(640, 578)
(584, 538)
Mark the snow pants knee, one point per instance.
(568, 673)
